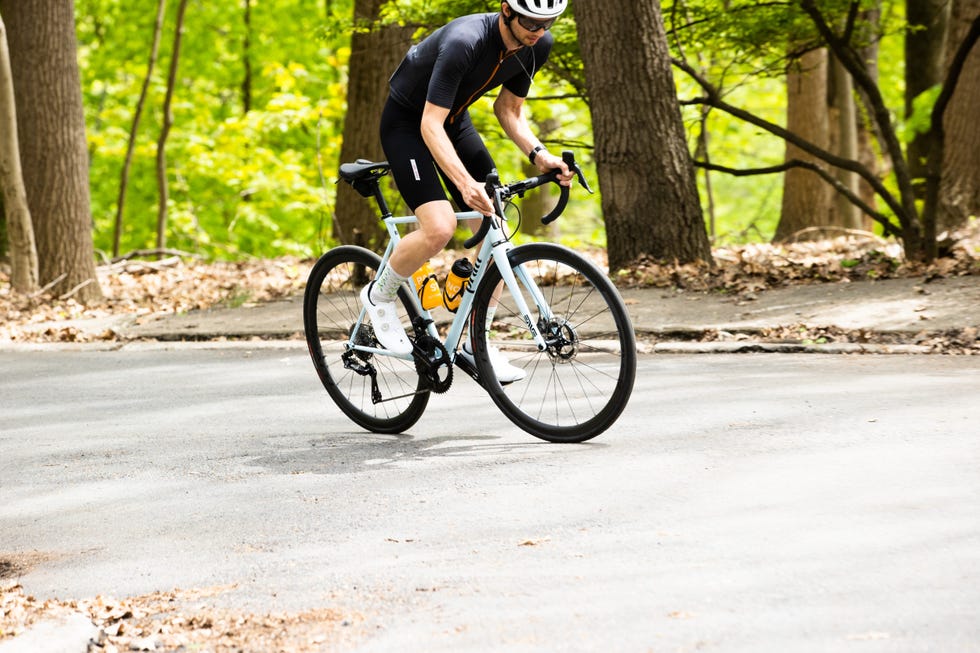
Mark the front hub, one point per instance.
(561, 338)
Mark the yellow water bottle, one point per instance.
(456, 282)
(427, 287)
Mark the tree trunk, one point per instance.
(131, 145)
(867, 153)
(168, 121)
(959, 195)
(924, 51)
(51, 124)
(247, 59)
(846, 214)
(703, 153)
(4, 258)
(806, 197)
(374, 56)
(23, 249)
(649, 194)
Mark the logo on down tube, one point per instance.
(530, 325)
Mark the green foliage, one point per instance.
(241, 184)
(921, 119)
(249, 184)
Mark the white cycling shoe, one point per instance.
(502, 368)
(384, 318)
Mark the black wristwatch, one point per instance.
(533, 154)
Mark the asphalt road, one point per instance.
(742, 503)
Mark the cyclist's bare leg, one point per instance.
(437, 224)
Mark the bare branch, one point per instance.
(54, 282)
(713, 98)
(852, 14)
(77, 288)
(140, 253)
(880, 218)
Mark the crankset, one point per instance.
(432, 360)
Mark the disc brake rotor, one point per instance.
(562, 339)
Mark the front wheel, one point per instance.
(331, 310)
(579, 385)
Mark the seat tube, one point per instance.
(391, 224)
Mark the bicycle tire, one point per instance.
(579, 386)
(331, 307)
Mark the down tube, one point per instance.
(455, 333)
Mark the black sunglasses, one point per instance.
(533, 25)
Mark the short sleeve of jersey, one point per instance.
(520, 84)
(452, 63)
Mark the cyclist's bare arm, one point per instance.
(436, 139)
(509, 109)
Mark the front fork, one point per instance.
(509, 274)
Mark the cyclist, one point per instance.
(426, 133)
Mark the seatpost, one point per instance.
(380, 199)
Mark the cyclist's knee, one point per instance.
(438, 235)
(437, 222)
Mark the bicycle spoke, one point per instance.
(577, 387)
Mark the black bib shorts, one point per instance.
(416, 173)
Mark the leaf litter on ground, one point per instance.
(180, 620)
(174, 285)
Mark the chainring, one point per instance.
(432, 362)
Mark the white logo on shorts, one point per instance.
(415, 170)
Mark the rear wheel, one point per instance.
(331, 309)
(578, 386)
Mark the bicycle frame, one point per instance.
(570, 385)
(495, 246)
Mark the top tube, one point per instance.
(410, 219)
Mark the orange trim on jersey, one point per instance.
(479, 91)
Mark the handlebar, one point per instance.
(501, 192)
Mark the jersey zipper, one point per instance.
(500, 60)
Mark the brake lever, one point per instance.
(581, 179)
(569, 158)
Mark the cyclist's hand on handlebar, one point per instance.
(546, 162)
(475, 195)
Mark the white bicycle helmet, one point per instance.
(544, 9)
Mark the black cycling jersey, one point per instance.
(459, 62)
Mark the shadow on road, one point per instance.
(353, 452)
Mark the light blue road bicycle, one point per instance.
(558, 317)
